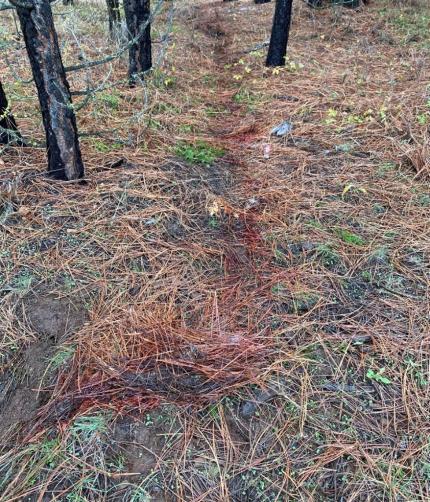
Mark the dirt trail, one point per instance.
(234, 131)
(142, 444)
(215, 21)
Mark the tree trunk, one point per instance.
(261, 1)
(280, 32)
(8, 129)
(64, 155)
(137, 14)
(114, 15)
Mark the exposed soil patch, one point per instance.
(19, 404)
(217, 178)
(52, 318)
(140, 444)
(210, 22)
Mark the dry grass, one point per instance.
(264, 320)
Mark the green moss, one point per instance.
(304, 301)
(103, 147)
(111, 100)
(349, 237)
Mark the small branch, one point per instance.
(116, 55)
(22, 4)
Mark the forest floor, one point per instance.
(218, 313)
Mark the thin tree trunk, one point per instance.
(64, 155)
(137, 13)
(114, 16)
(8, 129)
(280, 32)
(261, 1)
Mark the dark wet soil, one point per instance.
(52, 319)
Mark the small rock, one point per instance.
(344, 148)
(282, 129)
(249, 408)
(252, 203)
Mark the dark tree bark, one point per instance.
(64, 155)
(261, 1)
(137, 13)
(280, 32)
(114, 16)
(8, 129)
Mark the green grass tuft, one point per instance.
(199, 153)
(349, 237)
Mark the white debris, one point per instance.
(282, 129)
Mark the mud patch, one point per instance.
(20, 399)
(141, 444)
(52, 319)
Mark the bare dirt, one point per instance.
(52, 316)
(52, 320)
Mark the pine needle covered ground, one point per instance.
(217, 313)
